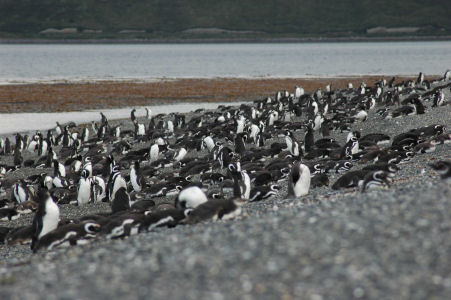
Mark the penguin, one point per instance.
(148, 113)
(46, 218)
(299, 91)
(120, 201)
(115, 182)
(67, 235)
(350, 179)
(98, 189)
(59, 181)
(7, 148)
(169, 217)
(319, 180)
(84, 188)
(143, 205)
(87, 166)
(209, 143)
(442, 167)
(293, 145)
(58, 169)
(190, 197)
(259, 193)
(309, 139)
(390, 168)
(19, 236)
(153, 152)
(136, 178)
(375, 178)
(27, 207)
(215, 209)
(351, 148)
(426, 147)
(132, 115)
(180, 154)
(119, 227)
(140, 129)
(240, 147)
(240, 123)
(21, 192)
(420, 79)
(362, 115)
(170, 127)
(18, 159)
(244, 184)
(298, 180)
(8, 214)
(4, 231)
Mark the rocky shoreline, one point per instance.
(386, 243)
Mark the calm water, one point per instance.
(145, 62)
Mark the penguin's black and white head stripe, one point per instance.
(215, 209)
(375, 178)
(443, 168)
(67, 235)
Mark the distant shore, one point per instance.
(59, 97)
(62, 40)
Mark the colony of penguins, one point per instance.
(174, 169)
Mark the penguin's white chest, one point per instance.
(302, 186)
(51, 217)
(154, 150)
(84, 191)
(181, 154)
(134, 180)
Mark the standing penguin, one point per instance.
(309, 139)
(46, 218)
(136, 178)
(148, 113)
(18, 159)
(153, 152)
(84, 188)
(115, 182)
(132, 115)
(299, 180)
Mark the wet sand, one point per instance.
(60, 97)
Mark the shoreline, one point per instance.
(350, 39)
(64, 97)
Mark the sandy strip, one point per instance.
(106, 95)
(10, 123)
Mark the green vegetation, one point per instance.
(169, 19)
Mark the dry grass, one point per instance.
(82, 96)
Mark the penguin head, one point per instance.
(43, 194)
(85, 174)
(442, 167)
(381, 176)
(92, 227)
(392, 169)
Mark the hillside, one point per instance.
(227, 18)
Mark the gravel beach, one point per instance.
(387, 243)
